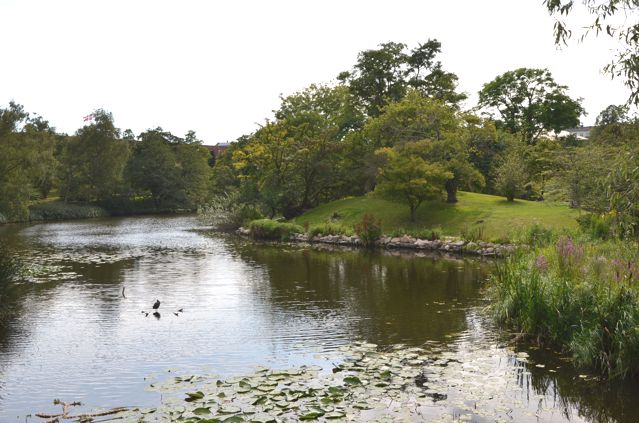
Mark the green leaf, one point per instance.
(312, 415)
(352, 381)
(201, 411)
(194, 396)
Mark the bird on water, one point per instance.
(156, 305)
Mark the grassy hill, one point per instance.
(475, 216)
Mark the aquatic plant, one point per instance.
(583, 299)
(368, 383)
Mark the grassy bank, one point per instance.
(580, 296)
(482, 216)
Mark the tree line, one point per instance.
(99, 164)
(393, 125)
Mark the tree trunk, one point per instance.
(451, 191)
(413, 212)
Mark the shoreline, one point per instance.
(446, 245)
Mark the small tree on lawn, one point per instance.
(409, 178)
(511, 177)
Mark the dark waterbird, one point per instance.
(156, 305)
(156, 315)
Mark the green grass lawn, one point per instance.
(496, 218)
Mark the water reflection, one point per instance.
(71, 334)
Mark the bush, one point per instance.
(369, 229)
(597, 226)
(328, 229)
(510, 178)
(272, 230)
(583, 299)
(538, 235)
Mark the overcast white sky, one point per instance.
(219, 67)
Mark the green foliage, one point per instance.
(59, 210)
(329, 229)
(413, 118)
(583, 298)
(384, 75)
(598, 226)
(369, 229)
(605, 19)
(173, 171)
(622, 192)
(93, 162)
(407, 177)
(408, 125)
(613, 115)
(268, 229)
(27, 161)
(511, 179)
(226, 212)
(538, 235)
(475, 234)
(486, 144)
(529, 101)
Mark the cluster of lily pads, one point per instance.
(369, 384)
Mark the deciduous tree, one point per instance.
(529, 102)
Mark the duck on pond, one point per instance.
(156, 305)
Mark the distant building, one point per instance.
(218, 148)
(582, 131)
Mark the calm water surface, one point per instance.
(75, 330)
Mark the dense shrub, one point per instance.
(584, 299)
(597, 226)
(272, 230)
(369, 229)
(62, 211)
(537, 235)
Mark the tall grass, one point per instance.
(581, 297)
(273, 230)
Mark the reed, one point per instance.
(582, 297)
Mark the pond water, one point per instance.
(77, 330)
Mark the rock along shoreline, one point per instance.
(447, 245)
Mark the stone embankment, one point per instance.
(449, 245)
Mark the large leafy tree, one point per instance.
(296, 161)
(407, 177)
(94, 161)
(444, 139)
(382, 76)
(605, 19)
(614, 126)
(453, 155)
(529, 102)
(173, 171)
(413, 118)
(27, 161)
